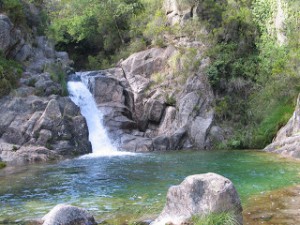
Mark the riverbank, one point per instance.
(275, 207)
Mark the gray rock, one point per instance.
(133, 113)
(177, 139)
(24, 53)
(44, 137)
(5, 32)
(133, 143)
(107, 89)
(39, 123)
(63, 214)
(161, 143)
(155, 110)
(167, 122)
(23, 155)
(172, 11)
(287, 139)
(200, 195)
(199, 130)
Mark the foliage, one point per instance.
(157, 78)
(170, 100)
(92, 27)
(224, 218)
(269, 126)
(2, 165)
(10, 72)
(14, 9)
(58, 75)
(157, 28)
(255, 78)
(185, 63)
(21, 15)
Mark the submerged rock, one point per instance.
(68, 215)
(200, 195)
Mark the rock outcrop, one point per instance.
(142, 114)
(36, 122)
(287, 139)
(39, 128)
(200, 195)
(68, 215)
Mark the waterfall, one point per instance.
(82, 97)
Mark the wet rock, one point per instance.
(161, 143)
(200, 195)
(23, 155)
(68, 215)
(107, 89)
(133, 143)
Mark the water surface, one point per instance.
(133, 186)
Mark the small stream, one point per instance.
(121, 188)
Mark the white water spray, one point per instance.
(82, 97)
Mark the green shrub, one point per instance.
(58, 75)
(10, 72)
(268, 127)
(157, 28)
(224, 218)
(2, 165)
(14, 9)
(170, 100)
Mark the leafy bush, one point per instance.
(92, 28)
(58, 75)
(14, 9)
(157, 28)
(2, 165)
(10, 72)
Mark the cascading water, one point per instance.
(82, 97)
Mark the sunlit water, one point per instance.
(133, 186)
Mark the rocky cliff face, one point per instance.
(37, 124)
(146, 114)
(287, 140)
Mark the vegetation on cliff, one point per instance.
(10, 72)
(255, 76)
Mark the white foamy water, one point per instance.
(82, 97)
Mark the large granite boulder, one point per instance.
(68, 215)
(200, 195)
(287, 139)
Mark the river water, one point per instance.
(121, 188)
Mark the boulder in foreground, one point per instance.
(200, 195)
(68, 215)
